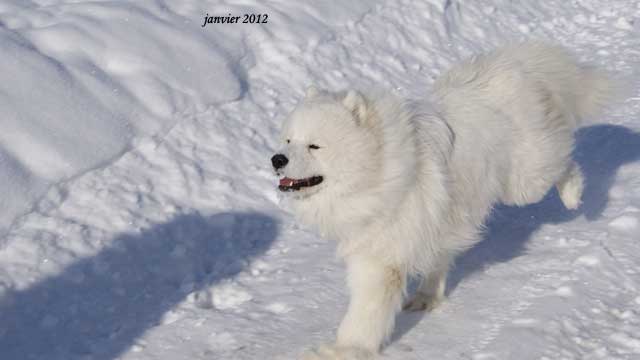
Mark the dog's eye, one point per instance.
(288, 141)
(314, 147)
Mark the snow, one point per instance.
(626, 223)
(229, 296)
(140, 219)
(93, 76)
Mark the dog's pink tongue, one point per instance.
(286, 181)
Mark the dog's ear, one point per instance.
(357, 104)
(312, 92)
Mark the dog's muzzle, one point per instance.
(288, 184)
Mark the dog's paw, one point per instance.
(334, 352)
(423, 302)
(571, 187)
(570, 193)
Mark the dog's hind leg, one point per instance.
(570, 187)
(431, 290)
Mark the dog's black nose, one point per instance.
(278, 161)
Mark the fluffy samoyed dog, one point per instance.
(405, 186)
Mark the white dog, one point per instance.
(405, 187)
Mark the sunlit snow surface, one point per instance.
(139, 218)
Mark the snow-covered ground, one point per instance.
(139, 218)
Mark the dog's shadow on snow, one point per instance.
(97, 307)
(600, 151)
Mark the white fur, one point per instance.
(407, 186)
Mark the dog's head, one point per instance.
(327, 145)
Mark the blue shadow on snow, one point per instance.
(97, 307)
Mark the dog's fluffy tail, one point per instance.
(582, 90)
(595, 89)
(576, 89)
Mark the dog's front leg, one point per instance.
(376, 297)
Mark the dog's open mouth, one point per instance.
(288, 184)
